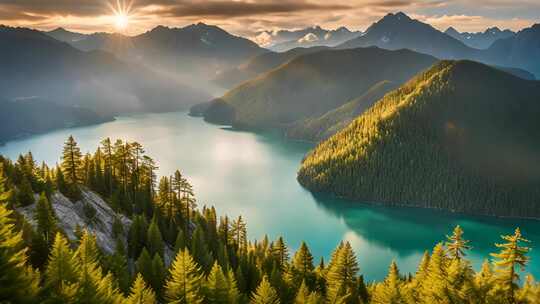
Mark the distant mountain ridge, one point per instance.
(284, 40)
(520, 51)
(35, 64)
(64, 35)
(260, 64)
(462, 137)
(312, 84)
(85, 86)
(399, 31)
(192, 54)
(480, 40)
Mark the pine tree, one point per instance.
(418, 281)
(302, 296)
(200, 250)
(281, 252)
(302, 266)
(341, 275)
(18, 282)
(180, 243)
(512, 256)
(389, 291)
(155, 243)
(71, 161)
(108, 173)
(61, 272)
(45, 219)
(159, 273)
(144, 266)
(117, 264)
(25, 194)
(4, 193)
(140, 293)
(435, 284)
(61, 181)
(216, 287)
(93, 286)
(456, 245)
(184, 284)
(265, 294)
(233, 294)
(239, 233)
(137, 236)
(484, 282)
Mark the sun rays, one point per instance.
(122, 11)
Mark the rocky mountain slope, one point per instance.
(71, 215)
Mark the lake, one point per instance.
(254, 175)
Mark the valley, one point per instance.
(220, 162)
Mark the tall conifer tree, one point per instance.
(140, 293)
(184, 284)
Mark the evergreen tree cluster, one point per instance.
(460, 137)
(179, 253)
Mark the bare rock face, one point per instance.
(91, 213)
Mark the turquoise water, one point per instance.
(254, 175)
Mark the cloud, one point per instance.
(308, 38)
(474, 23)
(244, 8)
(250, 17)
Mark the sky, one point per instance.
(250, 17)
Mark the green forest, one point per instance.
(177, 252)
(461, 136)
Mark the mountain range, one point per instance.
(480, 40)
(398, 31)
(313, 84)
(461, 136)
(39, 68)
(258, 65)
(192, 54)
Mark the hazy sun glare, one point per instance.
(121, 10)
(121, 21)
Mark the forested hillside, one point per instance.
(211, 259)
(313, 84)
(320, 128)
(258, 65)
(461, 136)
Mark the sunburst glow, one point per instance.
(121, 21)
(121, 10)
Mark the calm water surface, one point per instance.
(254, 175)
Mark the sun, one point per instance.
(121, 12)
(121, 21)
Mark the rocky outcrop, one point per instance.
(70, 214)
